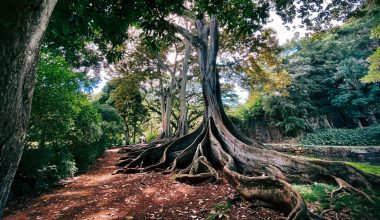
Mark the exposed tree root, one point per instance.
(343, 185)
(256, 173)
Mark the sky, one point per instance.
(283, 34)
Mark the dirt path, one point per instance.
(100, 195)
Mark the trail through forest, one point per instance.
(100, 195)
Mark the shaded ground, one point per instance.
(100, 195)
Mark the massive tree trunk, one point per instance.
(256, 173)
(183, 125)
(22, 25)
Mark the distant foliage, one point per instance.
(327, 69)
(152, 136)
(326, 88)
(367, 136)
(374, 60)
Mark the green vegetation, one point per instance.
(325, 91)
(219, 210)
(374, 60)
(318, 195)
(67, 133)
(349, 137)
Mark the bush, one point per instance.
(41, 168)
(85, 156)
(292, 126)
(351, 137)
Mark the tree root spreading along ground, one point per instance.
(256, 173)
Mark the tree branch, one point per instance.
(193, 39)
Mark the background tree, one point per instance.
(374, 60)
(128, 101)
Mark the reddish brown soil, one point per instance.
(100, 195)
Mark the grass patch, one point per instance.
(366, 167)
(318, 194)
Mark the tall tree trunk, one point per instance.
(22, 25)
(163, 109)
(183, 125)
(134, 132)
(168, 110)
(126, 133)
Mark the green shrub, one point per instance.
(352, 137)
(151, 136)
(291, 126)
(86, 155)
(41, 168)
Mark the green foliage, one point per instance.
(318, 192)
(151, 136)
(219, 210)
(128, 101)
(326, 90)
(112, 125)
(245, 115)
(374, 68)
(67, 133)
(56, 102)
(374, 60)
(359, 207)
(42, 167)
(327, 69)
(350, 137)
(292, 125)
(366, 167)
(75, 25)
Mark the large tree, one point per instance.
(22, 25)
(255, 172)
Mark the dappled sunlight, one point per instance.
(66, 194)
(105, 214)
(99, 179)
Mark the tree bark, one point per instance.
(168, 110)
(183, 125)
(126, 133)
(163, 109)
(22, 25)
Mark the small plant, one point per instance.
(220, 210)
(151, 137)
